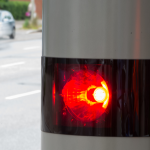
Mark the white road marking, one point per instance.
(30, 48)
(22, 95)
(12, 64)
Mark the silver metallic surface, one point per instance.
(112, 29)
(69, 142)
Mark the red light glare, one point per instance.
(53, 93)
(86, 95)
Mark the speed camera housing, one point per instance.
(95, 75)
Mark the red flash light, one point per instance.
(86, 95)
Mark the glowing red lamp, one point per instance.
(86, 95)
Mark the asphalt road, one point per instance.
(20, 95)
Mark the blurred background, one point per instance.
(20, 74)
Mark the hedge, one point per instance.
(3, 0)
(18, 9)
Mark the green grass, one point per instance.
(31, 25)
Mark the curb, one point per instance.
(33, 31)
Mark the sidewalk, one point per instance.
(19, 24)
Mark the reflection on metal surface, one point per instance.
(71, 86)
(97, 29)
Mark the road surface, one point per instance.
(20, 92)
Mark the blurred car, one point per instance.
(7, 24)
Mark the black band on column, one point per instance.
(96, 97)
